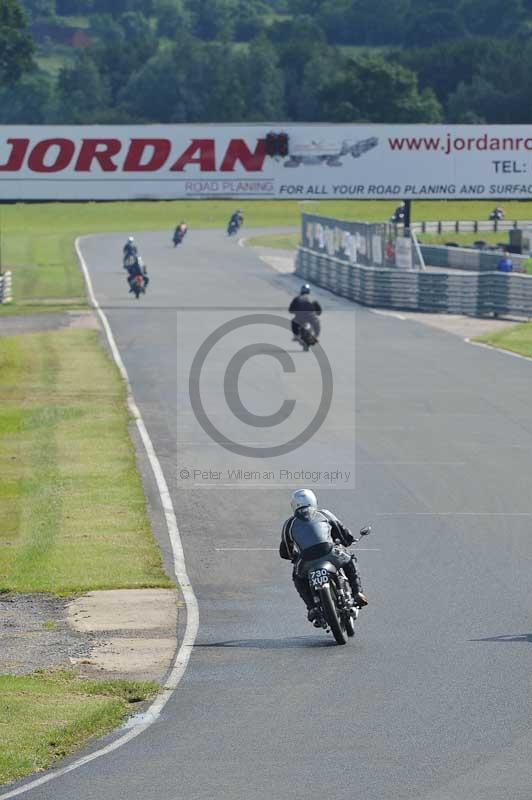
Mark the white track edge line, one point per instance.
(497, 350)
(146, 719)
(393, 314)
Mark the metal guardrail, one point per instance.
(470, 293)
(6, 295)
(469, 226)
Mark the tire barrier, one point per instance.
(470, 293)
(466, 258)
(6, 295)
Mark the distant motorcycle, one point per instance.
(179, 235)
(496, 215)
(235, 223)
(332, 594)
(138, 285)
(307, 336)
(129, 260)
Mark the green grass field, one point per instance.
(491, 238)
(43, 717)
(518, 339)
(72, 505)
(37, 240)
(280, 241)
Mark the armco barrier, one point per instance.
(471, 293)
(5, 288)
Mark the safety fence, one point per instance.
(377, 245)
(471, 293)
(6, 287)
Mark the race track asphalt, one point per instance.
(431, 699)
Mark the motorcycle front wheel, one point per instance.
(330, 613)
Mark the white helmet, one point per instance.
(303, 498)
(130, 239)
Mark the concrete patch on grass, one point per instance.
(35, 634)
(124, 633)
(141, 631)
(41, 323)
(83, 319)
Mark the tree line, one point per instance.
(402, 61)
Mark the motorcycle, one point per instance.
(496, 215)
(234, 226)
(332, 595)
(179, 235)
(307, 336)
(129, 260)
(138, 285)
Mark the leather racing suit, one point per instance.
(304, 310)
(304, 539)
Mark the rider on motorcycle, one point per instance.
(237, 219)
(304, 310)
(399, 214)
(130, 248)
(135, 269)
(310, 533)
(180, 231)
(497, 213)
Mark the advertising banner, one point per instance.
(378, 245)
(403, 252)
(354, 242)
(274, 160)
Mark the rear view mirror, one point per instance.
(365, 531)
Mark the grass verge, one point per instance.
(518, 339)
(45, 716)
(37, 240)
(72, 504)
(286, 241)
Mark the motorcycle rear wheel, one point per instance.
(331, 615)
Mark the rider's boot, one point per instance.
(303, 590)
(314, 616)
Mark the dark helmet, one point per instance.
(305, 289)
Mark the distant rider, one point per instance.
(305, 309)
(135, 269)
(180, 231)
(130, 248)
(310, 533)
(497, 214)
(399, 214)
(236, 221)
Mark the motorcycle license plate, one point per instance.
(318, 578)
